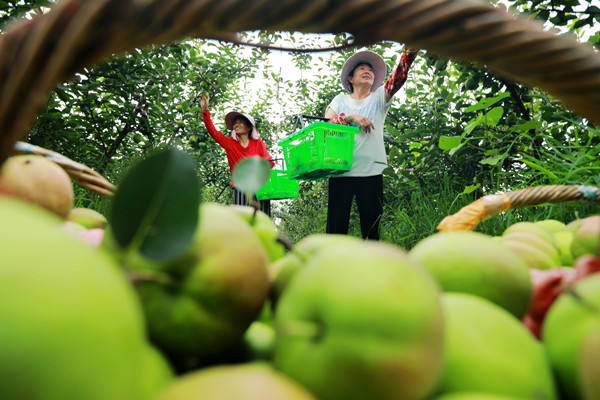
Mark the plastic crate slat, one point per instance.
(318, 151)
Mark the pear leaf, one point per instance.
(449, 142)
(156, 206)
(486, 102)
(494, 115)
(527, 126)
(251, 174)
(493, 160)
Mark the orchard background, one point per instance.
(456, 131)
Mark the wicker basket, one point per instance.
(48, 49)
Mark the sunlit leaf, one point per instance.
(492, 160)
(457, 148)
(494, 115)
(474, 123)
(540, 168)
(471, 188)
(487, 102)
(449, 142)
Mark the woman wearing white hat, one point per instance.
(243, 142)
(366, 106)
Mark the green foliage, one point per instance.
(9, 10)
(455, 132)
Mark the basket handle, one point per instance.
(299, 121)
(467, 218)
(81, 174)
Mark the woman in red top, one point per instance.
(243, 142)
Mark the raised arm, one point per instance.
(398, 76)
(213, 132)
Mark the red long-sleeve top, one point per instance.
(234, 149)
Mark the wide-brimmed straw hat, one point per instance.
(231, 116)
(368, 57)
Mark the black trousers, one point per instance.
(239, 198)
(368, 191)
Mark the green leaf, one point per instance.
(251, 174)
(494, 115)
(389, 172)
(492, 160)
(540, 168)
(485, 103)
(449, 142)
(457, 148)
(156, 205)
(526, 126)
(471, 188)
(474, 123)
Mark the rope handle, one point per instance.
(467, 218)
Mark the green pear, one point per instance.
(533, 228)
(589, 365)
(71, 325)
(202, 303)
(488, 350)
(251, 381)
(283, 270)
(471, 262)
(360, 321)
(87, 217)
(475, 396)
(264, 228)
(39, 181)
(563, 243)
(551, 225)
(536, 241)
(73, 227)
(531, 255)
(569, 322)
(586, 238)
(154, 374)
(574, 225)
(259, 341)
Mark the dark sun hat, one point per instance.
(231, 116)
(366, 57)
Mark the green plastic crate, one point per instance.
(279, 186)
(318, 151)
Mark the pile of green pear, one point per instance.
(239, 313)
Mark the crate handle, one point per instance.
(299, 121)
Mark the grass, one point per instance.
(418, 215)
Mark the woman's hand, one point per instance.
(204, 102)
(364, 122)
